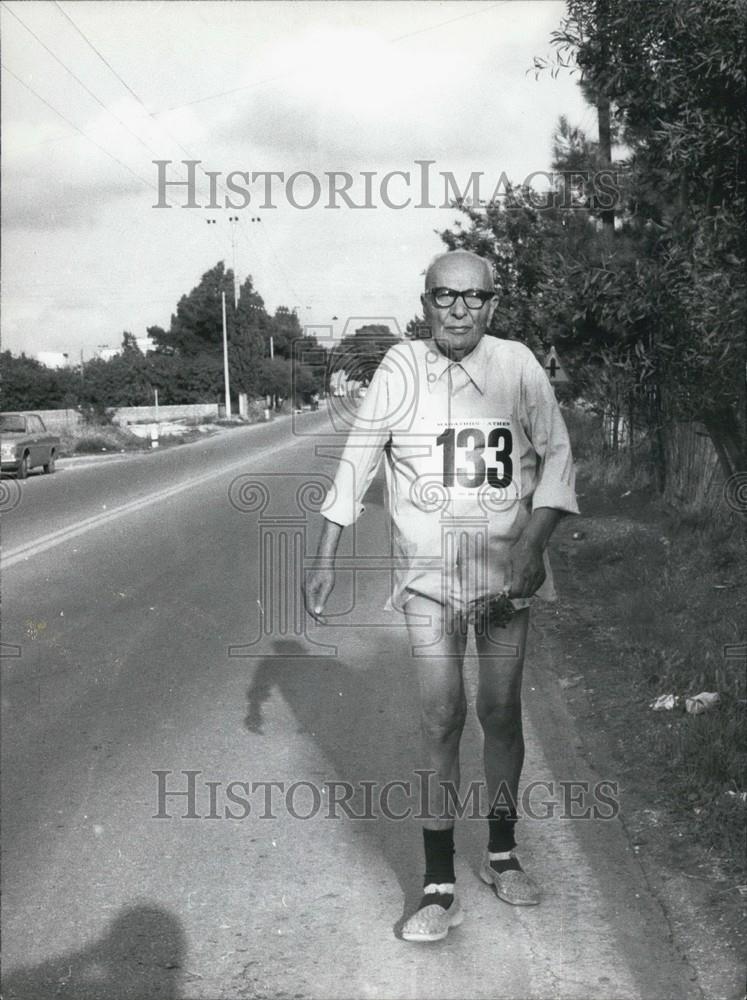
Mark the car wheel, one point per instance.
(23, 468)
(49, 467)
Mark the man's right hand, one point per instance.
(318, 585)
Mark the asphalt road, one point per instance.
(126, 583)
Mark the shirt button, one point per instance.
(431, 356)
(431, 377)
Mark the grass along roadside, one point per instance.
(654, 602)
(101, 437)
(97, 439)
(664, 606)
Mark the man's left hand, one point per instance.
(526, 570)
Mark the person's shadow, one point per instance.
(366, 723)
(140, 958)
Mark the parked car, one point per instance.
(25, 444)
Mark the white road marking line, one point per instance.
(39, 545)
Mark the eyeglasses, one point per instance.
(473, 298)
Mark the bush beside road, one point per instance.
(98, 439)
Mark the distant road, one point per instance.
(81, 491)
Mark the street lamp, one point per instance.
(233, 219)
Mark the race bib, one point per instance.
(475, 457)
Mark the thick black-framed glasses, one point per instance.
(473, 298)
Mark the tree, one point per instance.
(286, 329)
(197, 324)
(247, 327)
(197, 379)
(305, 384)
(674, 78)
(195, 340)
(417, 329)
(361, 354)
(534, 244)
(275, 376)
(130, 346)
(187, 363)
(28, 384)
(314, 359)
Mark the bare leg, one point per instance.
(499, 705)
(499, 711)
(443, 705)
(443, 709)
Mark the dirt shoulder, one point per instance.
(653, 604)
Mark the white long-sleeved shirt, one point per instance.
(471, 448)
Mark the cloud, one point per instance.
(317, 87)
(347, 98)
(64, 182)
(43, 203)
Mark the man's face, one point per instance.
(457, 329)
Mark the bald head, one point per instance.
(471, 271)
(456, 329)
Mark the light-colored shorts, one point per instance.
(450, 608)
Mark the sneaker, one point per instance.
(513, 886)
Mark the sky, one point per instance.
(382, 99)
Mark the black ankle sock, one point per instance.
(439, 855)
(501, 821)
(444, 899)
(507, 865)
(439, 865)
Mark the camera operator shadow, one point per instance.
(141, 957)
(364, 722)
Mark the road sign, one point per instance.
(555, 371)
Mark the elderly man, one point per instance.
(479, 472)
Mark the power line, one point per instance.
(137, 97)
(80, 131)
(104, 60)
(223, 93)
(93, 95)
(189, 155)
(279, 263)
(441, 24)
(129, 89)
(42, 142)
(121, 79)
(76, 128)
(282, 76)
(78, 80)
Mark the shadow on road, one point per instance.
(364, 721)
(140, 958)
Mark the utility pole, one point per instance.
(272, 347)
(225, 356)
(233, 219)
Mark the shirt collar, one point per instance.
(474, 364)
